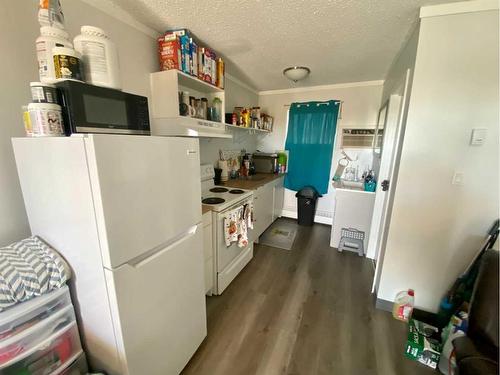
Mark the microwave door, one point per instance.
(94, 109)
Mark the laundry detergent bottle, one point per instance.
(403, 305)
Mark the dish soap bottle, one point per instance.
(403, 305)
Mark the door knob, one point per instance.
(385, 185)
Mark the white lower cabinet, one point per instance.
(268, 205)
(208, 252)
(278, 197)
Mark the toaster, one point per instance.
(265, 162)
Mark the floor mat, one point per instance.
(280, 234)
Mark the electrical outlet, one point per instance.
(458, 179)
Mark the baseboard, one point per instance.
(384, 305)
(418, 314)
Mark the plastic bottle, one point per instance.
(50, 13)
(403, 305)
(50, 37)
(100, 57)
(67, 64)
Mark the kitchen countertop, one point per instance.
(252, 183)
(205, 209)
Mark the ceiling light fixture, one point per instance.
(296, 73)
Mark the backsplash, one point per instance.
(209, 147)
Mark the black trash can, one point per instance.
(306, 203)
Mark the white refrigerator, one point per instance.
(125, 212)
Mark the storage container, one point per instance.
(50, 356)
(24, 315)
(50, 37)
(78, 367)
(46, 120)
(100, 57)
(20, 345)
(43, 93)
(67, 64)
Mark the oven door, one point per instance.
(93, 109)
(226, 254)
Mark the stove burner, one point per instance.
(236, 191)
(219, 190)
(213, 200)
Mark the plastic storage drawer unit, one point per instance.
(24, 315)
(78, 367)
(22, 343)
(52, 356)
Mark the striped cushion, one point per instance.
(29, 268)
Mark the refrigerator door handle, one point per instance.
(161, 249)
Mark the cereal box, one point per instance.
(169, 52)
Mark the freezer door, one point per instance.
(159, 301)
(146, 191)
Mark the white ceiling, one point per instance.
(340, 40)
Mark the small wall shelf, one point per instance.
(165, 116)
(195, 83)
(250, 130)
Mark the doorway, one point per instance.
(387, 151)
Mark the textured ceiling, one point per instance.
(340, 40)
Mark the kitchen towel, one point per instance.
(236, 225)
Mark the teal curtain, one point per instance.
(310, 137)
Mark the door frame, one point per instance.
(396, 111)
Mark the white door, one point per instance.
(160, 304)
(146, 191)
(390, 153)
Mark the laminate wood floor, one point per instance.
(304, 311)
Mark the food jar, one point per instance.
(100, 57)
(43, 93)
(46, 120)
(67, 64)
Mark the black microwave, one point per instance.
(93, 109)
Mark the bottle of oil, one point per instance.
(403, 305)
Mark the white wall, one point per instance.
(360, 110)
(437, 227)
(18, 30)
(237, 94)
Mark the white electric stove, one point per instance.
(229, 260)
(219, 198)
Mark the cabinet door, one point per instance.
(279, 197)
(208, 253)
(258, 214)
(263, 209)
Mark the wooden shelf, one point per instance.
(248, 129)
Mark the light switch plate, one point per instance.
(458, 179)
(478, 136)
